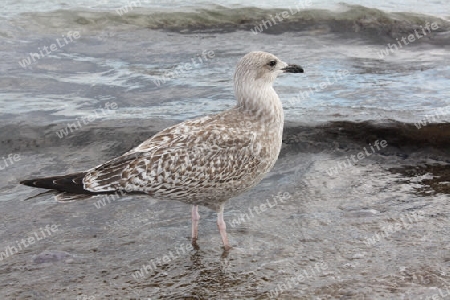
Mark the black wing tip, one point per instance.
(29, 182)
(71, 183)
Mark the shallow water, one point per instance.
(333, 230)
(370, 227)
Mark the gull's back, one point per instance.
(203, 161)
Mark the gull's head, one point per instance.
(261, 68)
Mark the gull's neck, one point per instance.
(258, 98)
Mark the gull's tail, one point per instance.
(72, 183)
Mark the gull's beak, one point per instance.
(292, 69)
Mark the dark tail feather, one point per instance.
(72, 183)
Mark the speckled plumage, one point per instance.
(208, 160)
(203, 162)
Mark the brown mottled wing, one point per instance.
(198, 159)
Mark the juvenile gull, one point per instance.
(204, 161)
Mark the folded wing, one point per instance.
(189, 161)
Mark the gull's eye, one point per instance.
(272, 63)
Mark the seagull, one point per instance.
(204, 161)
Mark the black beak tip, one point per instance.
(293, 69)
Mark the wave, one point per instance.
(412, 152)
(353, 19)
(398, 134)
(300, 138)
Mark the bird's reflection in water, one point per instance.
(216, 276)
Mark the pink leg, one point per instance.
(195, 219)
(222, 228)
